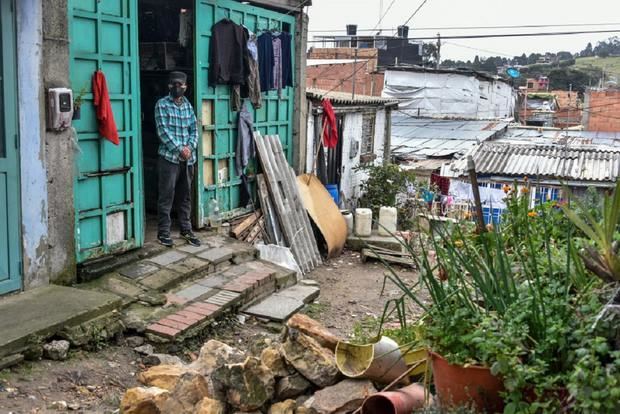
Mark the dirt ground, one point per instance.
(93, 382)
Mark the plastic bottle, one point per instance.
(348, 218)
(215, 219)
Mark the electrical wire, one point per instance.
(415, 12)
(499, 35)
(520, 26)
(384, 14)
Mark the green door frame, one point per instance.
(10, 200)
(216, 148)
(108, 184)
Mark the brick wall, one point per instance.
(602, 111)
(370, 55)
(339, 77)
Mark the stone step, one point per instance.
(194, 305)
(280, 306)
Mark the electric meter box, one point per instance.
(60, 108)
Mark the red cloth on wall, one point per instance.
(103, 108)
(443, 183)
(330, 138)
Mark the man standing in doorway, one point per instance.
(178, 137)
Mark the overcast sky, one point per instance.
(335, 14)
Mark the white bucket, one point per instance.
(387, 221)
(363, 222)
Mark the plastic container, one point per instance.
(333, 191)
(363, 222)
(348, 218)
(213, 214)
(387, 221)
(402, 401)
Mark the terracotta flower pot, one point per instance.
(402, 401)
(466, 386)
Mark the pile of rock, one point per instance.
(297, 376)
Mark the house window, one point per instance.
(530, 85)
(544, 194)
(368, 138)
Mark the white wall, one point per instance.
(449, 95)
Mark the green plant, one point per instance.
(78, 100)
(383, 185)
(601, 258)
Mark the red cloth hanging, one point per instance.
(103, 108)
(330, 138)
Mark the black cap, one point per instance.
(177, 77)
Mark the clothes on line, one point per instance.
(275, 61)
(186, 23)
(246, 149)
(490, 197)
(330, 137)
(229, 53)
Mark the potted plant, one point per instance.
(510, 313)
(77, 103)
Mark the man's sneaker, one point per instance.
(165, 240)
(191, 238)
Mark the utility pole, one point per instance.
(438, 51)
(570, 96)
(354, 75)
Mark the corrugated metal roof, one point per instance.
(579, 162)
(318, 62)
(425, 137)
(345, 98)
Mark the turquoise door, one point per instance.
(10, 251)
(109, 200)
(216, 167)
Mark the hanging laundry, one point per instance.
(252, 89)
(275, 60)
(266, 60)
(330, 137)
(103, 108)
(229, 55)
(246, 150)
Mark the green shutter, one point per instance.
(10, 249)
(216, 166)
(108, 184)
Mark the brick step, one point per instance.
(195, 305)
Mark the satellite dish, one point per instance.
(513, 72)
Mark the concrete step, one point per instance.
(280, 306)
(31, 317)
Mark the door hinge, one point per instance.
(20, 268)
(16, 142)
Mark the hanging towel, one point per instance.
(330, 138)
(103, 108)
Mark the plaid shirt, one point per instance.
(176, 128)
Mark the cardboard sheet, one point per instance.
(324, 213)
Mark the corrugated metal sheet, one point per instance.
(568, 162)
(345, 98)
(423, 137)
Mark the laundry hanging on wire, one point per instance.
(248, 63)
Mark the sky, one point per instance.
(336, 14)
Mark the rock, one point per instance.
(313, 329)
(191, 388)
(271, 357)
(134, 341)
(56, 350)
(59, 405)
(161, 359)
(210, 406)
(134, 322)
(292, 387)
(74, 406)
(215, 354)
(302, 410)
(145, 349)
(284, 407)
(141, 400)
(248, 386)
(344, 397)
(315, 363)
(162, 376)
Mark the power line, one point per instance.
(384, 14)
(484, 36)
(414, 13)
(521, 26)
(480, 50)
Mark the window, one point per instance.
(368, 137)
(530, 85)
(544, 194)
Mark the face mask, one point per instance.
(177, 91)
